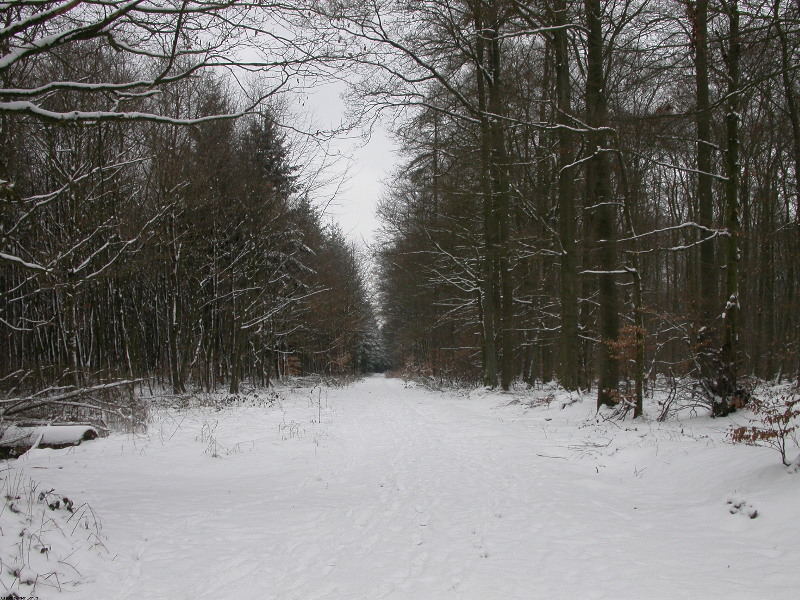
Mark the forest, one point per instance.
(155, 224)
(567, 365)
(597, 193)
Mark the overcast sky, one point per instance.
(356, 201)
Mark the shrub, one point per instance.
(773, 425)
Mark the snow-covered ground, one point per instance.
(379, 490)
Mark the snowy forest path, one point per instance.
(383, 490)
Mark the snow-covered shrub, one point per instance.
(774, 425)
(221, 401)
(43, 536)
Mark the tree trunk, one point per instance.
(727, 387)
(632, 260)
(794, 119)
(500, 198)
(490, 229)
(236, 334)
(601, 203)
(71, 331)
(708, 289)
(174, 318)
(765, 329)
(569, 348)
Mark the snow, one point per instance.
(48, 435)
(19, 261)
(32, 108)
(387, 490)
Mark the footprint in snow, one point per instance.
(742, 507)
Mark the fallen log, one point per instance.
(18, 438)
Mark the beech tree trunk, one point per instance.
(601, 203)
(707, 302)
(500, 197)
(727, 388)
(794, 120)
(490, 225)
(569, 348)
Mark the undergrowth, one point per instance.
(42, 536)
(774, 425)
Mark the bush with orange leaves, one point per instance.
(774, 425)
